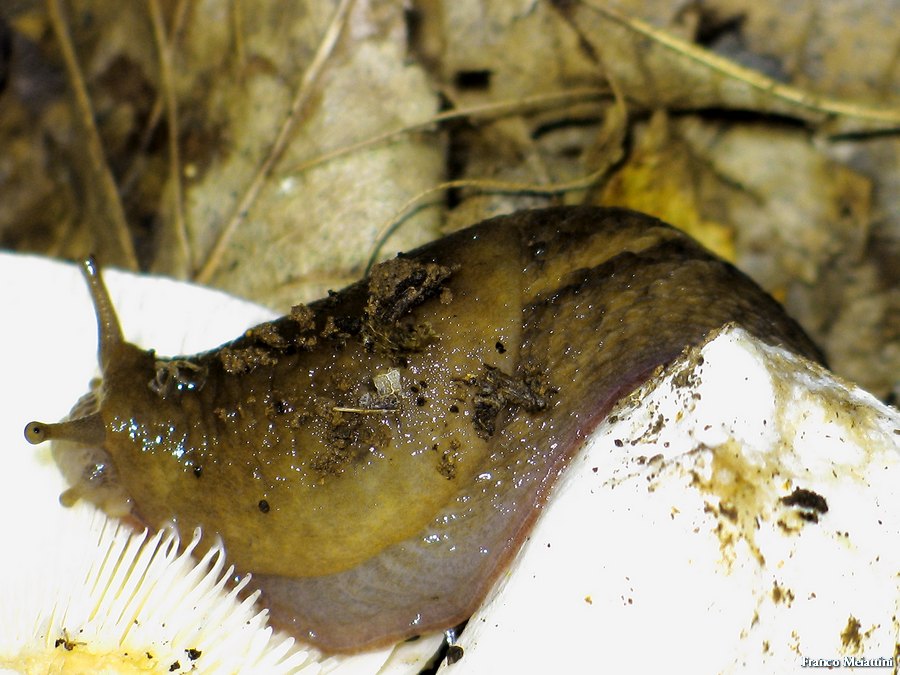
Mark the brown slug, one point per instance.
(375, 458)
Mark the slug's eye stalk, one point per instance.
(108, 329)
(88, 429)
(85, 430)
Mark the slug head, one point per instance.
(79, 441)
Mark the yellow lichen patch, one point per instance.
(741, 498)
(853, 638)
(781, 594)
(850, 637)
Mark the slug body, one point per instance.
(375, 458)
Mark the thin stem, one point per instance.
(107, 191)
(518, 106)
(386, 230)
(168, 90)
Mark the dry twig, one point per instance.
(107, 192)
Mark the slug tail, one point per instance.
(108, 328)
(87, 430)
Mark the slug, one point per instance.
(375, 458)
